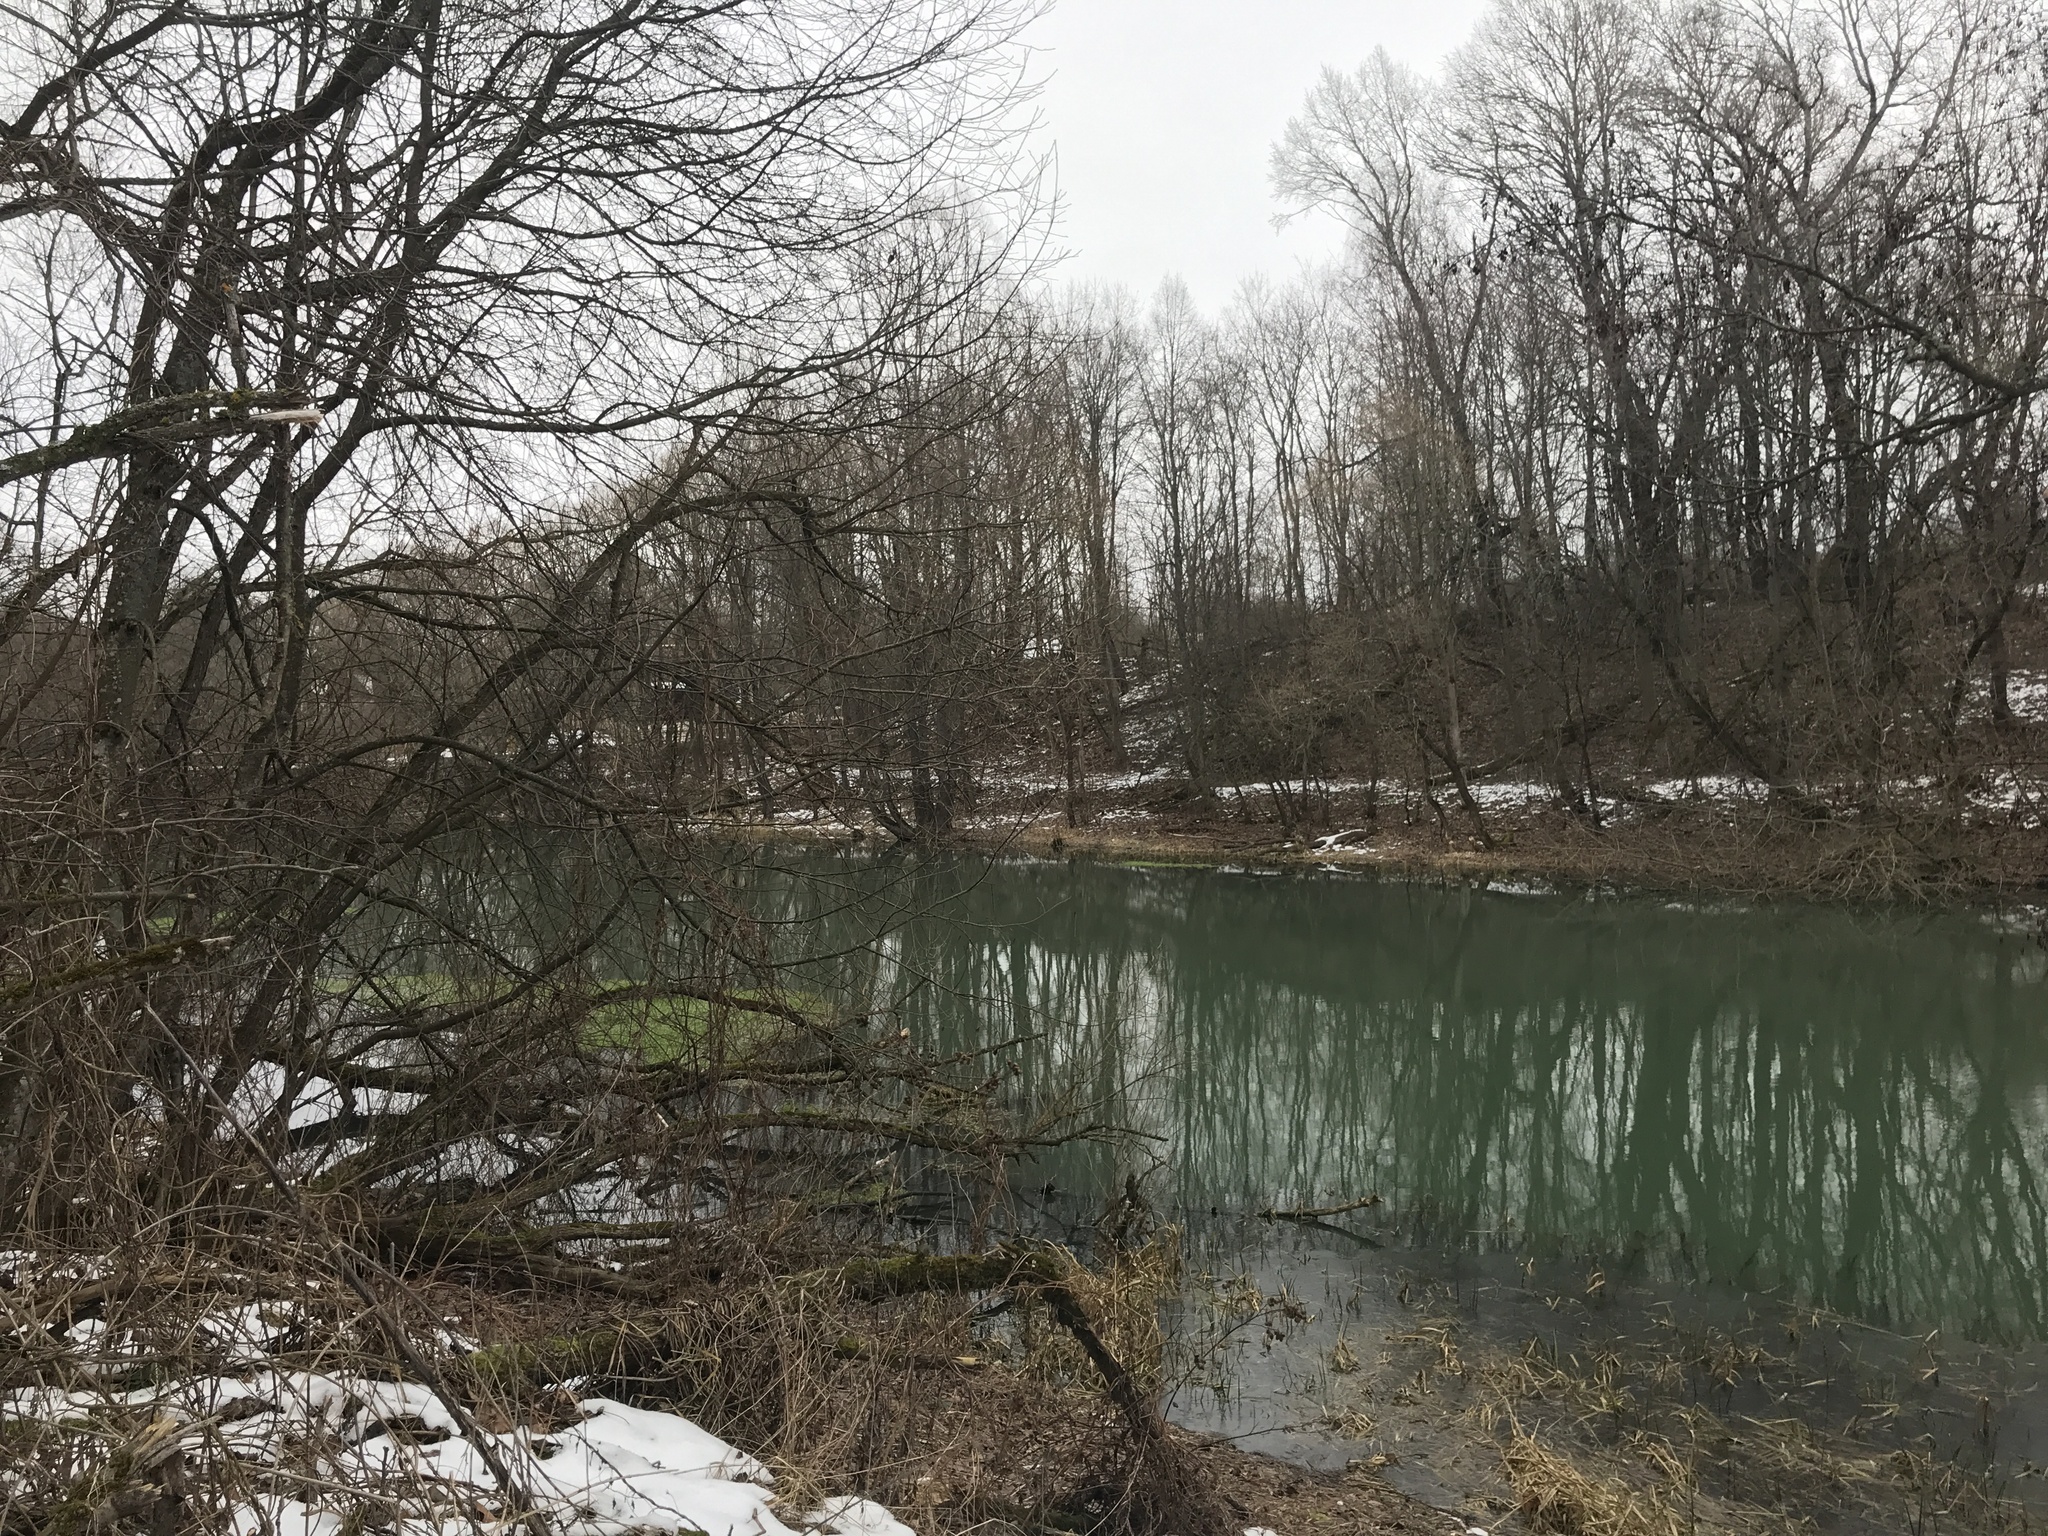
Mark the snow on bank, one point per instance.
(277, 1452)
(293, 1452)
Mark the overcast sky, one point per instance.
(1163, 113)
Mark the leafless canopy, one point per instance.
(388, 386)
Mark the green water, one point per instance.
(1840, 1108)
(1618, 1131)
(1843, 1108)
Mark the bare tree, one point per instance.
(389, 406)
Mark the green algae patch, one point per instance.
(658, 1028)
(661, 1029)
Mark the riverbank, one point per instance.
(1695, 851)
(216, 1399)
(189, 1394)
(1694, 837)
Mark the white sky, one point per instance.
(1162, 114)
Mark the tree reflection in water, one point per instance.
(1852, 1106)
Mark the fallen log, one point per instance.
(619, 1348)
(1318, 1212)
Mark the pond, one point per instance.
(1843, 1106)
(1733, 1119)
(1751, 1194)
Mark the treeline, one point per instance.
(1674, 413)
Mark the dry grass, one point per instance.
(1617, 1439)
(1554, 1494)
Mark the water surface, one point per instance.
(1637, 1137)
(1631, 1137)
(1843, 1107)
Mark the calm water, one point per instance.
(1616, 1129)
(1848, 1109)
(1623, 1132)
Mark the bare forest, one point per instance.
(1669, 433)
(465, 463)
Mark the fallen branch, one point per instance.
(1318, 1212)
(616, 1349)
(113, 968)
(1170, 1480)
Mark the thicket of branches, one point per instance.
(397, 399)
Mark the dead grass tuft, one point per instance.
(1555, 1495)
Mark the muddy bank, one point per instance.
(1296, 1500)
(1738, 847)
(1986, 841)
(1559, 1397)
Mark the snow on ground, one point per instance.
(307, 1453)
(2027, 693)
(1512, 796)
(1707, 786)
(277, 1439)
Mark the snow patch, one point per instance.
(295, 1445)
